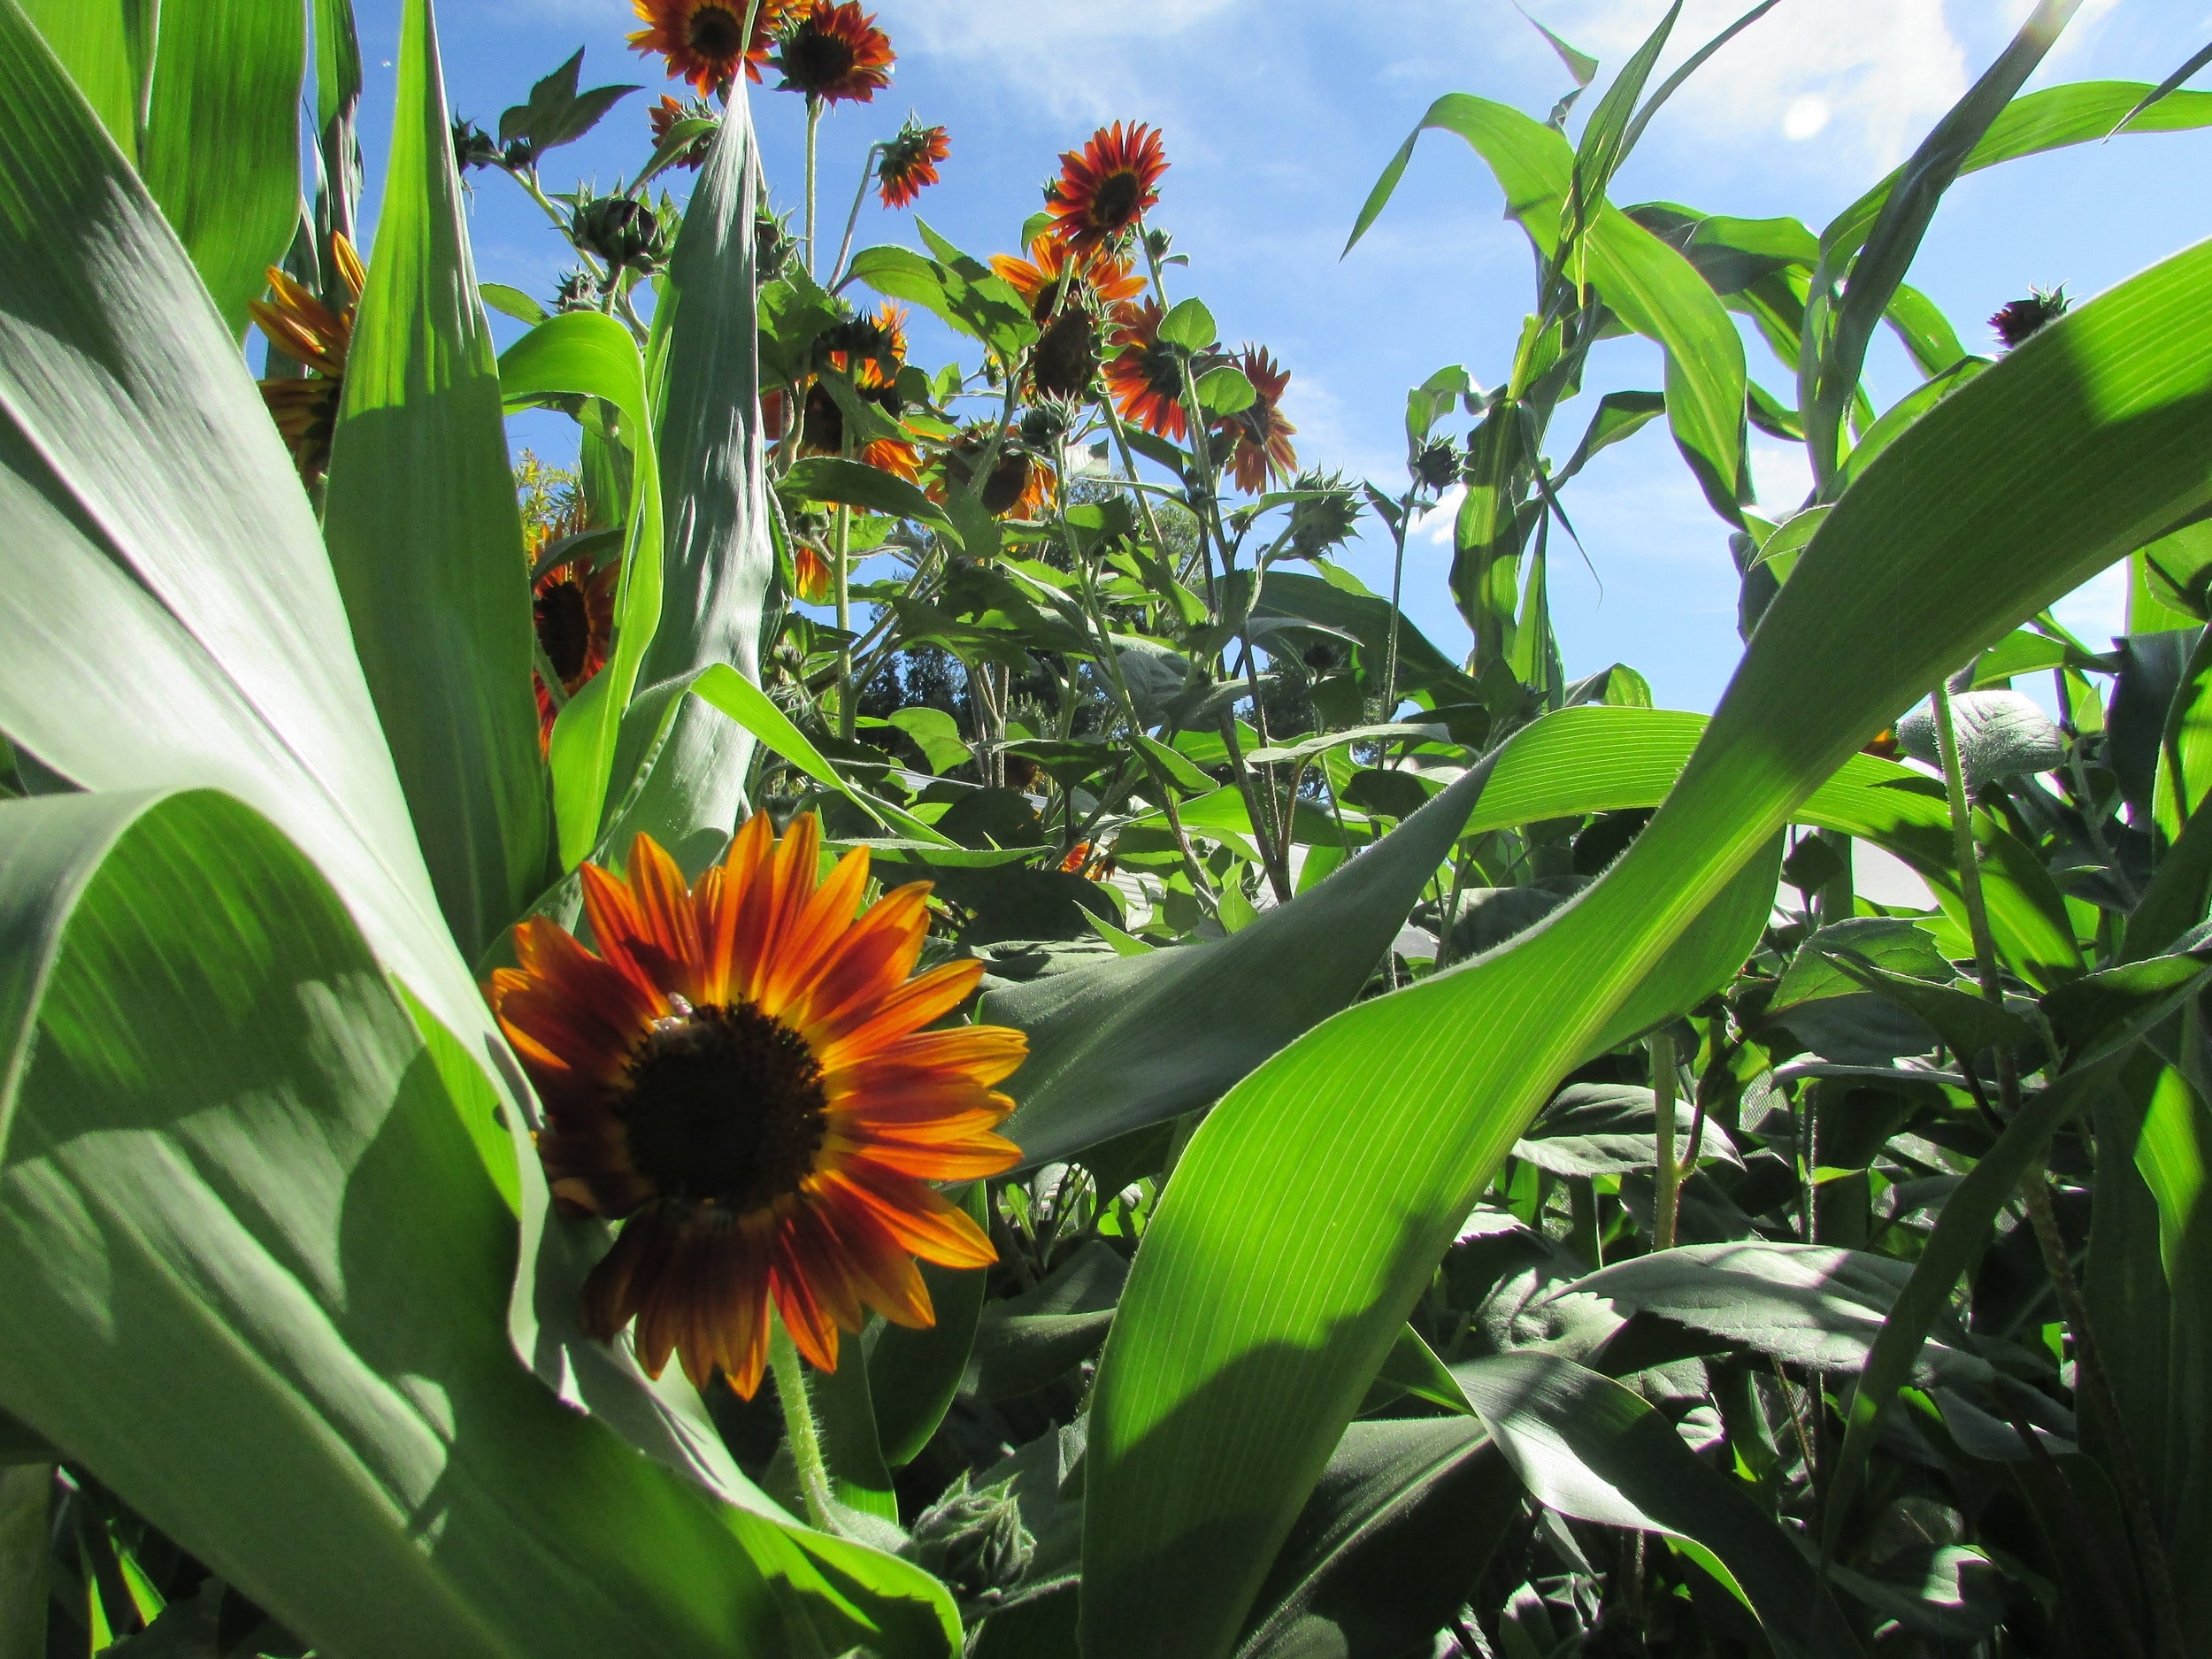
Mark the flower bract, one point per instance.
(740, 1071)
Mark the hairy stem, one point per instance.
(798, 1424)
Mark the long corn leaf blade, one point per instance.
(425, 536)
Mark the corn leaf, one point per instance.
(422, 523)
(221, 151)
(1247, 1333)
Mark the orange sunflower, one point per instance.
(835, 53)
(909, 162)
(871, 349)
(1107, 185)
(1143, 377)
(703, 41)
(740, 1071)
(1260, 434)
(305, 409)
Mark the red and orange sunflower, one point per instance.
(1144, 377)
(909, 162)
(741, 1072)
(1106, 187)
(703, 41)
(1260, 434)
(835, 53)
(305, 408)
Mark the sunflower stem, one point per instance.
(813, 127)
(852, 220)
(843, 570)
(800, 1433)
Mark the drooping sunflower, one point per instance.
(909, 161)
(740, 1073)
(1107, 185)
(1260, 437)
(1018, 484)
(305, 409)
(1143, 377)
(703, 41)
(2017, 320)
(835, 53)
(872, 350)
(1067, 292)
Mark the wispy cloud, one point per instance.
(1077, 61)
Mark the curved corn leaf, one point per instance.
(106, 46)
(1247, 1332)
(421, 522)
(254, 1273)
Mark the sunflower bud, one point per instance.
(576, 292)
(974, 1542)
(472, 147)
(620, 231)
(1324, 520)
(1436, 465)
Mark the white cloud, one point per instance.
(1875, 73)
(1782, 475)
(1032, 43)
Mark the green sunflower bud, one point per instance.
(974, 1542)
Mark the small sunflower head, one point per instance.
(665, 117)
(908, 163)
(1435, 465)
(622, 232)
(576, 291)
(1326, 519)
(703, 41)
(2022, 318)
(975, 1541)
(472, 147)
(773, 247)
(834, 53)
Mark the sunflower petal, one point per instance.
(859, 1030)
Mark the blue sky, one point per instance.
(1278, 116)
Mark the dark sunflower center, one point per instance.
(564, 627)
(1114, 203)
(724, 1108)
(715, 32)
(1162, 374)
(814, 60)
